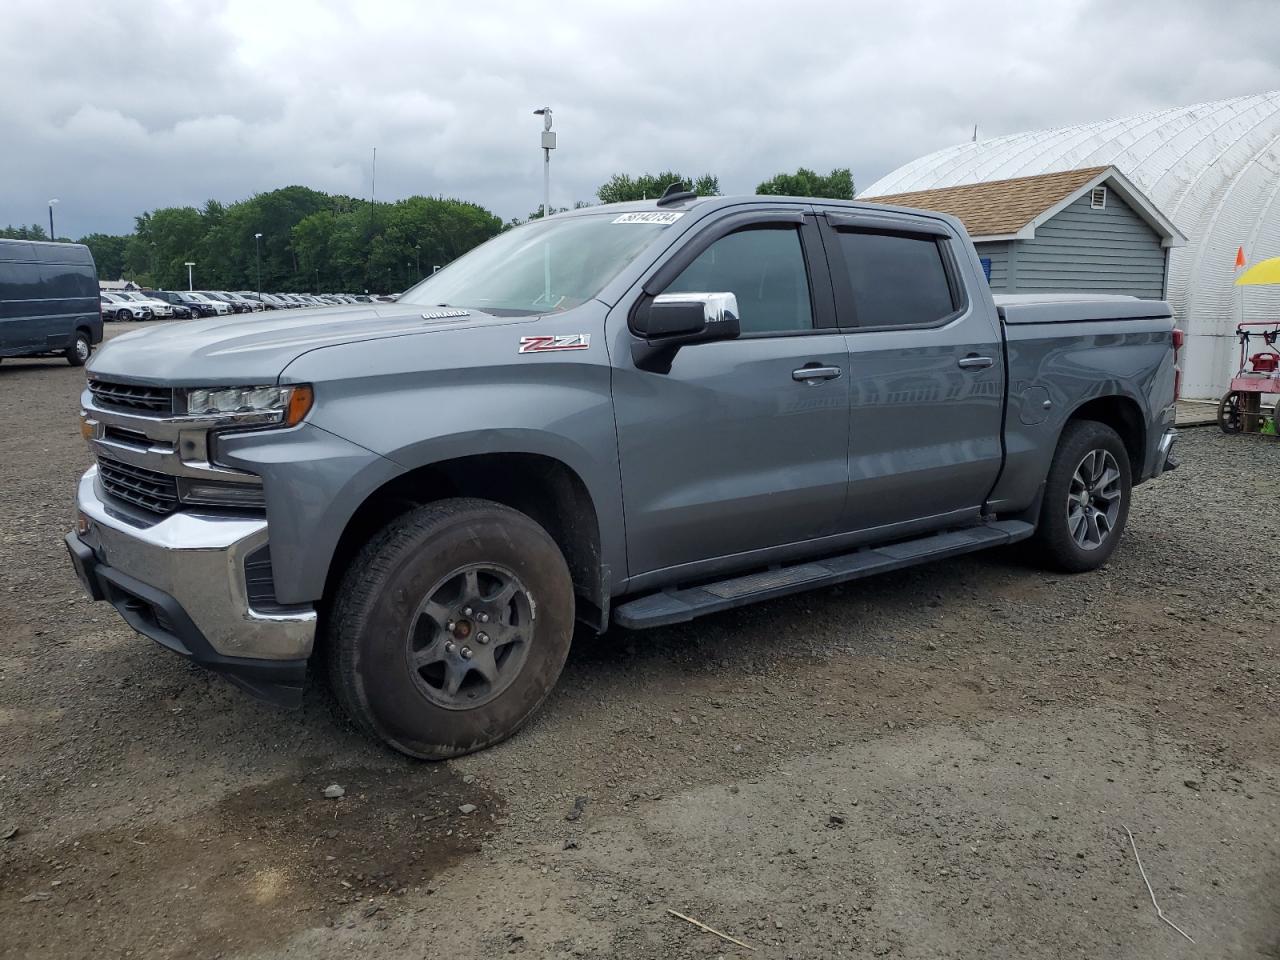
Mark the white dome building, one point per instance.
(1213, 169)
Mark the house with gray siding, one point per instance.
(1088, 230)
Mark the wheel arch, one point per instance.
(1123, 414)
(543, 487)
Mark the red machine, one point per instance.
(1241, 408)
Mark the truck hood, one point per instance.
(255, 348)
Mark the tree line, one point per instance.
(314, 241)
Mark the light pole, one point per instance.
(548, 144)
(52, 235)
(190, 285)
(257, 256)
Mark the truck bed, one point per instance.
(1076, 308)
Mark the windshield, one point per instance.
(543, 266)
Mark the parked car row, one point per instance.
(294, 301)
(189, 304)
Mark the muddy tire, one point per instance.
(450, 628)
(1086, 498)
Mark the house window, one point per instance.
(1098, 200)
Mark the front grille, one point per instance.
(154, 492)
(132, 398)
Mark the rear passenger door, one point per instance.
(925, 374)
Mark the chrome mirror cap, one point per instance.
(716, 307)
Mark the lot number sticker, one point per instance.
(659, 217)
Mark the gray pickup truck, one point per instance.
(631, 414)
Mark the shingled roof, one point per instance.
(998, 207)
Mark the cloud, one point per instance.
(138, 104)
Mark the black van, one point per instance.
(49, 303)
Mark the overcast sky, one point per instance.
(131, 105)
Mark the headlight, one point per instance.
(259, 405)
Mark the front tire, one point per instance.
(450, 628)
(1086, 498)
(80, 350)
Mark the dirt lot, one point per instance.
(934, 764)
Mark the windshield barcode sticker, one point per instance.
(659, 217)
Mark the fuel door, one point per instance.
(1034, 406)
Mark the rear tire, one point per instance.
(124, 316)
(1086, 498)
(80, 350)
(450, 628)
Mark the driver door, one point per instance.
(742, 446)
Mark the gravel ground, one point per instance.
(937, 763)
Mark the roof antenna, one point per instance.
(676, 193)
(975, 134)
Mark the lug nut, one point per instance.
(483, 618)
(466, 653)
(466, 611)
(482, 637)
(450, 647)
(450, 625)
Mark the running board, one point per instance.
(678, 605)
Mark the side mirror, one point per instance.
(673, 320)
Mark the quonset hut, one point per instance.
(1213, 169)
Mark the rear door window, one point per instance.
(896, 279)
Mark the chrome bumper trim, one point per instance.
(1165, 459)
(198, 559)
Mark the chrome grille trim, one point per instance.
(133, 398)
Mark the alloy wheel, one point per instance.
(1094, 498)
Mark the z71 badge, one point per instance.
(548, 344)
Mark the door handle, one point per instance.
(974, 362)
(814, 375)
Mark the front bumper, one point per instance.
(181, 582)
